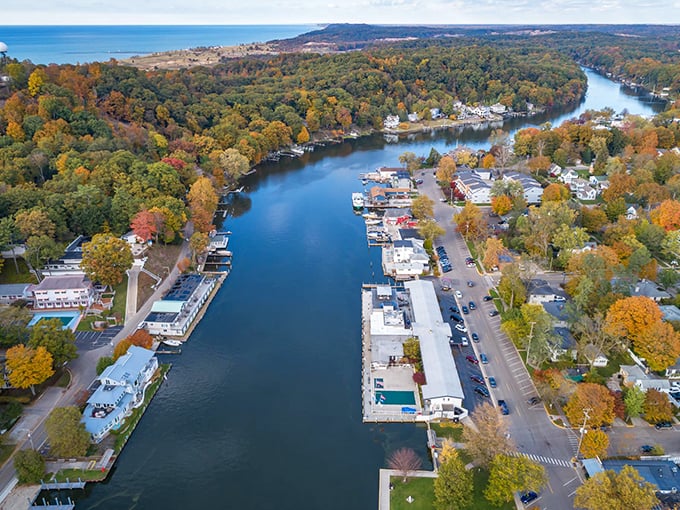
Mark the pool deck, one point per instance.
(394, 378)
(75, 317)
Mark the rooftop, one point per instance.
(183, 288)
(128, 366)
(13, 289)
(670, 312)
(664, 474)
(65, 282)
(649, 289)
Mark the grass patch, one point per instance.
(6, 451)
(480, 479)
(9, 273)
(85, 323)
(123, 434)
(72, 475)
(64, 380)
(449, 430)
(118, 309)
(615, 361)
(420, 489)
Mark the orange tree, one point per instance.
(594, 444)
(657, 407)
(660, 347)
(632, 317)
(594, 398)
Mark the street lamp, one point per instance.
(28, 432)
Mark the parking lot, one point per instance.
(90, 340)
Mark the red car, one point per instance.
(472, 359)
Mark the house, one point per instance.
(396, 216)
(470, 184)
(412, 117)
(586, 193)
(558, 312)
(69, 262)
(631, 213)
(564, 346)
(634, 375)
(662, 473)
(595, 356)
(173, 314)
(555, 170)
(670, 312)
(673, 372)
(540, 291)
(67, 291)
(131, 238)
(217, 241)
(600, 182)
(532, 188)
(650, 290)
(121, 389)
(498, 108)
(405, 259)
(391, 122)
(13, 292)
(569, 176)
(435, 113)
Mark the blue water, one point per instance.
(80, 44)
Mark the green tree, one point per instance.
(508, 475)
(66, 433)
(59, 341)
(422, 207)
(430, 229)
(634, 400)
(30, 466)
(234, 164)
(103, 363)
(34, 222)
(40, 249)
(106, 259)
(511, 288)
(453, 487)
(625, 490)
(28, 367)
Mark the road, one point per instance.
(529, 426)
(83, 373)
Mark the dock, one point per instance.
(59, 486)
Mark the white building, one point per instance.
(405, 259)
(470, 184)
(69, 262)
(391, 122)
(12, 292)
(443, 393)
(568, 176)
(533, 192)
(67, 291)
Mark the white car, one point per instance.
(464, 341)
(461, 328)
(459, 294)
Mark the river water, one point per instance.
(263, 408)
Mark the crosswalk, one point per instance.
(545, 460)
(573, 441)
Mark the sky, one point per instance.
(263, 12)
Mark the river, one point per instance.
(263, 408)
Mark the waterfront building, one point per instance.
(69, 262)
(66, 291)
(405, 259)
(121, 389)
(174, 313)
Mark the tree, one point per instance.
(490, 437)
(66, 433)
(405, 461)
(30, 466)
(501, 205)
(144, 225)
(632, 317)
(198, 243)
(493, 248)
(453, 487)
(40, 249)
(28, 367)
(593, 219)
(234, 164)
(422, 207)
(103, 363)
(555, 192)
(508, 475)
(667, 215)
(660, 346)
(410, 161)
(539, 163)
(430, 229)
(594, 398)
(531, 329)
(203, 203)
(34, 222)
(594, 444)
(657, 407)
(470, 221)
(625, 490)
(141, 338)
(106, 259)
(303, 135)
(59, 341)
(511, 288)
(446, 169)
(634, 400)
(121, 348)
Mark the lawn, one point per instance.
(72, 475)
(449, 430)
(420, 489)
(480, 479)
(10, 275)
(118, 309)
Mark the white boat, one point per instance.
(371, 216)
(373, 222)
(357, 201)
(172, 343)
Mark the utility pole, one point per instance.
(583, 429)
(531, 337)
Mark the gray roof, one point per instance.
(433, 333)
(662, 473)
(107, 395)
(410, 233)
(649, 289)
(13, 289)
(556, 309)
(670, 312)
(567, 341)
(403, 244)
(128, 366)
(65, 282)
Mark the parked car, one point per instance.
(483, 358)
(492, 382)
(533, 401)
(645, 448)
(475, 338)
(419, 181)
(664, 425)
(456, 317)
(461, 328)
(454, 309)
(487, 298)
(447, 269)
(478, 379)
(472, 305)
(504, 407)
(470, 283)
(458, 294)
(472, 359)
(465, 310)
(493, 313)
(464, 341)
(481, 390)
(528, 497)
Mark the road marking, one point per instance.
(567, 483)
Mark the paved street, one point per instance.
(529, 426)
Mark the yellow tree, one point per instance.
(667, 215)
(202, 203)
(632, 317)
(470, 222)
(660, 346)
(446, 169)
(555, 192)
(303, 135)
(594, 398)
(106, 258)
(657, 407)
(422, 207)
(594, 444)
(488, 161)
(28, 367)
(493, 248)
(626, 490)
(502, 204)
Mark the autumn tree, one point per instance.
(593, 219)
(667, 215)
(106, 259)
(203, 203)
(121, 348)
(430, 229)
(422, 207)
(404, 461)
(28, 367)
(410, 161)
(625, 490)
(453, 487)
(531, 329)
(511, 288)
(501, 205)
(144, 225)
(488, 161)
(198, 243)
(539, 164)
(303, 135)
(632, 317)
(470, 221)
(34, 222)
(489, 437)
(555, 192)
(30, 466)
(493, 249)
(634, 401)
(594, 444)
(66, 433)
(594, 399)
(657, 407)
(659, 346)
(59, 341)
(234, 164)
(508, 475)
(446, 169)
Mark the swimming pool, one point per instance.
(68, 319)
(395, 397)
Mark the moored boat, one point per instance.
(357, 201)
(172, 343)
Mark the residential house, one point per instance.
(650, 290)
(67, 291)
(634, 375)
(564, 346)
(413, 117)
(670, 312)
(673, 372)
(435, 113)
(631, 213)
(555, 170)
(600, 182)
(405, 259)
(498, 108)
(595, 356)
(569, 176)
(13, 292)
(397, 216)
(471, 185)
(388, 326)
(173, 314)
(586, 193)
(69, 262)
(121, 389)
(131, 238)
(558, 312)
(391, 122)
(532, 188)
(540, 291)
(217, 241)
